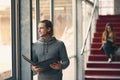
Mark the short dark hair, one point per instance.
(48, 24)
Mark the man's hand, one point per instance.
(37, 69)
(56, 66)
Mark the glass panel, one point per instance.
(34, 28)
(45, 9)
(64, 30)
(5, 40)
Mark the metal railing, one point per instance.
(88, 34)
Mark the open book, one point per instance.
(42, 64)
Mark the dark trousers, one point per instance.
(108, 48)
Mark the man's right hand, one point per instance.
(37, 69)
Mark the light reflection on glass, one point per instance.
(5, 40)
(64, 30)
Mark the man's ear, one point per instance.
(49, 29)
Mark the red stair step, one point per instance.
(107, 20)
(102, 29)
(103, 72)
(96, 51)
(98, 39)
(117, 37)
(99, 34)
(104, 64)
(102, 57)
(102, 78)
(97, 58)
(103, 24)
(98, 44)
(109, 17)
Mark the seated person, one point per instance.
(108, 38)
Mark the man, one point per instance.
(49, 47)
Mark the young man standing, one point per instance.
(49, 47)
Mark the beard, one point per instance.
(46, 34)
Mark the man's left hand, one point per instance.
(56, 66)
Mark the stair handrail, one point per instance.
(89, 27)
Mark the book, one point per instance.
(43, 64)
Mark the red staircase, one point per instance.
(98, 67)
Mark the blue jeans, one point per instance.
(108, 48)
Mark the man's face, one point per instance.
(42, 30)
